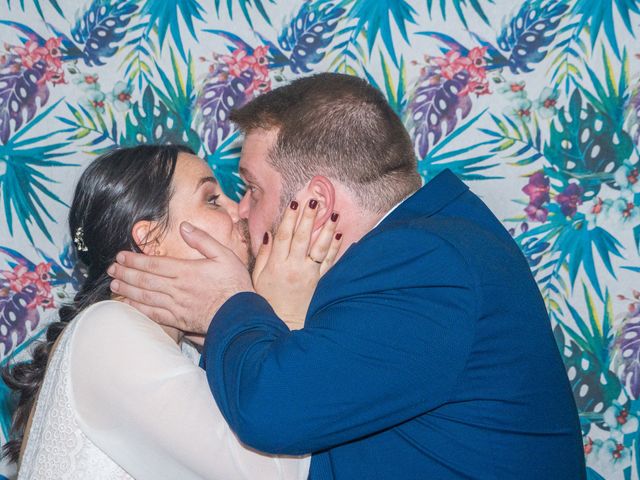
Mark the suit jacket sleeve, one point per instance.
(391, 347)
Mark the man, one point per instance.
(426, 352)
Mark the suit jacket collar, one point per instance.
(430, 199)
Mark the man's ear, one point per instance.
(144, 236)
(321, 189)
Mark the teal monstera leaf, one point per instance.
(150, 121)
(587, 145)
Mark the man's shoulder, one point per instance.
(401, 254)
(417, 236)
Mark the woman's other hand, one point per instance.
(289, 266)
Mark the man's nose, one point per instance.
(232, 210)
(243, 207)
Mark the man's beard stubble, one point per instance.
(244, 231)
(285, 200)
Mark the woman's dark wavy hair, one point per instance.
(118, 189)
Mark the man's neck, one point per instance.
(360, 223)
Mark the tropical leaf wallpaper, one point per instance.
(535, 103)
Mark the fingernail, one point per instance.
(338, 236)
(334, 217)
(120, 258)
(111, 270)
(115, 285)
(313, 204)
(265, 239)
(294, 205)
(187, 227)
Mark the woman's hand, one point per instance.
(288, 267)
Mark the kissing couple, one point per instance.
(353, 323)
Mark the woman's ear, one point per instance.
(143, 235)
(321, 189)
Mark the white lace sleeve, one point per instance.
(150, 409)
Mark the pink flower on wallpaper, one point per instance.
(31, 53)
(474, 64)
(50, 54)
(239, 62)
(452, 64)
(20, 277)
(476, 56)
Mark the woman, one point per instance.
(116, 398)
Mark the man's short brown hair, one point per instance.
(341, 127)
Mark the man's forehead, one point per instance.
(255, 153)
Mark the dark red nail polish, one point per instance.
(313, 204)
(294, 205)
(265, 239)
(334, 217)
(338, 236)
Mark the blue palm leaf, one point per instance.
(525, 37)
(349, 55)
(137, 62)
(179, 96)
(570, 50)
(307, 36)
(244, 4)
(596, 13)
(99, 30)
(85, 123)
(458, 7)
(577, 245)
(396, 95)
(23, 184)
(233, 39)
(462, 161)
(166, 16)
(375, 16)
(36, 3)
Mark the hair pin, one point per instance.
(78, 239)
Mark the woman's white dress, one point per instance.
(120, 401)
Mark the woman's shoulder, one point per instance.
(110, 309)
(113, 316)
(113, 327)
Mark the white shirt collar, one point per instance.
(391, 211)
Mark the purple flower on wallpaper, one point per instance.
(536, 214)
(538, 191)
(569, 199)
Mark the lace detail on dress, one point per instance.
(56, 447)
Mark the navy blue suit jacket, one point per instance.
(427, 353)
